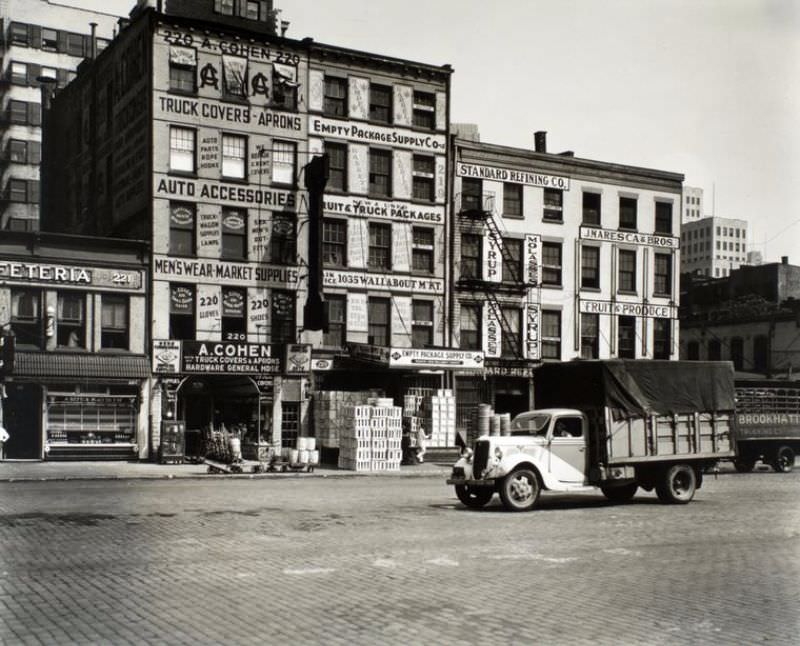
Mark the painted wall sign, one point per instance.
(229, 273)
(533, 248)
(532, 316)
(207, 43)
(298, 358)
(166, 356)
(192, 111)
(209, 190)
(357, 312)
(20, 273)
(514, 176)
(204, 357)
(390, 282)
(439, 358)
(372, 353)
(491, 332)
(366, 133)
(382, 209)
(647, 310)
(492, 259)
(322, 364)
(630, 237)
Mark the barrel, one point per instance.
(294, 456)
(311, 443)
(302, 456)
(484, 417)
(505, 424)
(495, 424)
(313, 457)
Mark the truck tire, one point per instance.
(784, 459)
(744, 465)
(621, 493)
(474, 497)
(677, 485)
(520, 490)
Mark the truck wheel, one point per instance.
(744, 465)
(784, 460)
(677, 485)
(520, 490)
(474, 497)
(620, 493)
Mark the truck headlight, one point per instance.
(466, 454)
(498, 453)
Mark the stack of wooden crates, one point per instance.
(370, 437)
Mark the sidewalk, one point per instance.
(25, 470)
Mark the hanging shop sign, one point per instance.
(533, 250)
(435, 358)
(166, 356)
(213, 191)
(381, 209)
(322, 365)
(22, 273)
(369, 134)
(390, 282)
(630, 237)
(298, 359)
(94, 399)
(532, 316)
(230, 273)
(491, 332)
(617, 308)
(370, 353)
(493, 173)
(213, 357)
(509, 368)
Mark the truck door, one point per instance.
(568, 449)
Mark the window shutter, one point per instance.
(62, 41)
(34, 71)
(34, 114)
(34, 152)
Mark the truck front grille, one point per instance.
(480, 459)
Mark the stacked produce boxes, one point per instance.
(440, 418)
(370, 437)
(329, 414)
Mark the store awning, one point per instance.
(79, 364)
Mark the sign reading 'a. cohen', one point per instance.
(225, 357)
(496, 174)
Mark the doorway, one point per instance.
(22, 417)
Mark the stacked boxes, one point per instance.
(330, 408)
(370, 438)
(440, 418)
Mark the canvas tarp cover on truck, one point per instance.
(633, 388)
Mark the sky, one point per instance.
(706, 88)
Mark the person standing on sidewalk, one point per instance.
(422, 443)
(4, 437)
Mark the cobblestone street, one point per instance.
(376, 560)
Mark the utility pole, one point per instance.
(316, 177)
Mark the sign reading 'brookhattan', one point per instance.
(647, 310)
(30, 272)
(630, 237)
(494, 173)
(370, 134)
(391, 282)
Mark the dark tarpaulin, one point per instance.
(636, 387)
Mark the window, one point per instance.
(512, 260)
(284, 155)
(626, 330)
(334, 243)
(627, 271)
(512, 200)
(234, 234)
(422, 324)
(253, 10)
(284, 86)
(18, 151)
(183, 69)
(17, 190)
(761, 351)
(422, 250)
(380, 103)
(590, 336)
(283, 242)
(551, 263)
(662, 338)
(182, 218)
(553, 205)
(714, 350)
(234, 326)
(225, 7)
(378, 321)
(423, 178)
(663, 274)
(49, 73)
(693, 351)
(471, 194)
(18, 33)
(19, 73)
(25, 316)
(70, 328)
(114, 322)
(380, 172)
(380, 246)
(424, 110)
(470, 326)
(337, 166)
(181, 312)
(737, 352)
(627, 213)
(336, 336)
(511, 339)
(49, 39)
(664, 217)
(75, 44)
(283, 317)
(591, 209)
(590, 267)
(18, 111)
(234, 155)
(234, 75)
(290, 423)
(551, 334)
(471, 255)
(335, 99)
(182, 149)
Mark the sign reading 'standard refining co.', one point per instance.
(496, 174)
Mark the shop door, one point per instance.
(22, 417)
(198, 411)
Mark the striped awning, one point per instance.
(80, 364)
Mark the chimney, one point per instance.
(540, 140)
(284, 27)
(784, 260)
(93, 43)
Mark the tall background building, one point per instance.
(692, 204)
(713, 246)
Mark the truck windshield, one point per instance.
(530, 424)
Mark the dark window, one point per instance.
(664, 217)
(423, 179)
(114, 324)
(182, 149)
(50, 39)
(18, 73)
(380, 173)
(283, 242)
(18, 33)
(334, 243)
(183, 69)
(234, 234)
(182, 220)
(378, 321)
(336, 336)
(590, 267)
(234, 156)
(662, 338)
(380, 103)
(335, 100)
(511, 338)
(551, 263)
(591, 209)
(18, 151)
(551, 334)
(737, 353)
(512, 200)
(75, 44)
(422, 250)
(626, 326)
(234, 304)
(284, 87)
(380, 246)
(225, 7)
(761, 352)
(590, 336)
(17, 190)
(234, 76)
(714, 350)
(627, 213)
(337, 166)
(182, 312)
(253, 10)
(422, 324)
(553, 205)
(18, 111)
(26, 316)
(70, 324)
(627, 270)
(471, 259)
(663, 274)
(283, 317)
(693, 351)
(290, 423)
(470, 327)
(471, 194)
(424, 110)
(512, 260)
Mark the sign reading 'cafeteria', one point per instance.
(494, 173)
(31, 272)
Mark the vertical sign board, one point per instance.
(357, 312)
(533, 247)
(491, 332)
(492, 260)
(532, 316)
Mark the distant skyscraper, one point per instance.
(692, 204)
(713, 246)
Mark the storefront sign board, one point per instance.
(24, 273)
(660, 241)
(379, 135)
(618, 308)
(435, 358)
(496, 174)
(389, 282)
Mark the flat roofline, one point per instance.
(30, 237)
